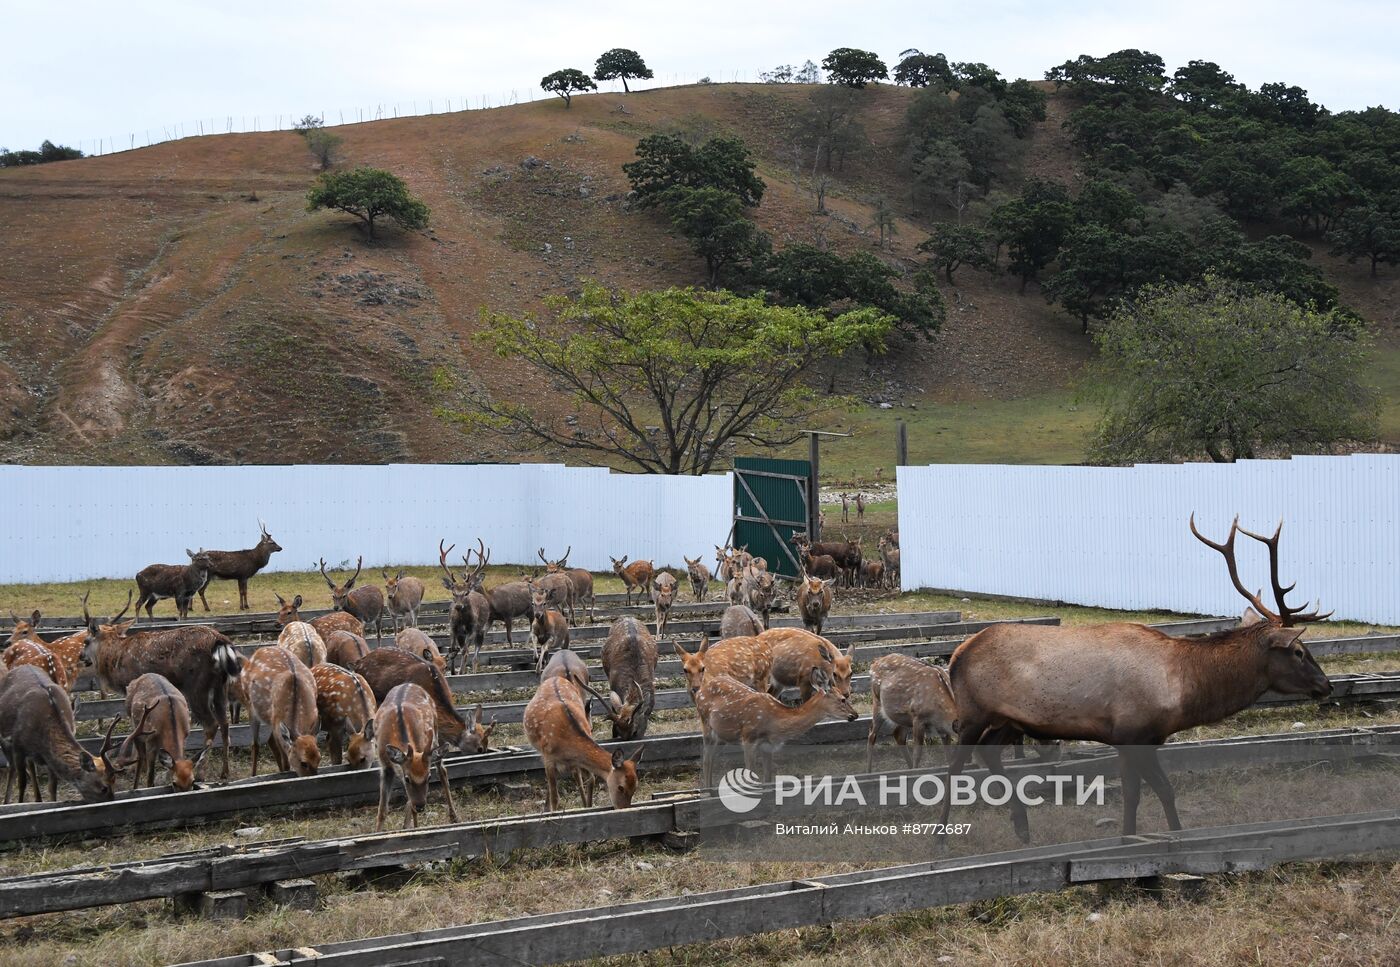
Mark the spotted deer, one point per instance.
(161, 732)
(344, 648)
(179, 581)
(566, 664)
(557, 725)
(23, 630)
(346, 706)
(738, 622)
(699, 576)
(385, 668)
(325, 624)
(36, 728)
(404, 595)
(419, 643)
(797, 653)
(731, 712)
(364, 603)
(748, 660)
(302, 640)
(915, 699)
(28, 651)
(635, 576)
(664, 589)
(282, 695)
(70, 649)
(405, 733)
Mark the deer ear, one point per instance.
(199, 756)
(296, 602)
(637, 756)
(368, 730)
(89, 764)
(1250, 618)
(165, 759)
(395, 754)
(1284, 637)
(284, 732)
(618, 759)
(476, 717)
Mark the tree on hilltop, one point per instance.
(620, 64)
(566, 83)
(853, 67)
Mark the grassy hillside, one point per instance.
(178, 304)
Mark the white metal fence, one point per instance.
(75, 523)
(1118, 537)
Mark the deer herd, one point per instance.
(390, 704)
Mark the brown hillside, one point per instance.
(178, 304)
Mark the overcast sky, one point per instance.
(77, 71)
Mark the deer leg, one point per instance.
(9, 773)
(990, 750)
(585, 786)
(333, 741)
(1151, 768)
(242, 594)
(551, 783)
(901, 739)
(920, 732)
(446, 790)
(410, 815)
(386, 781)
(253, 722)
(707, 759)
(957, 761)
(203, 601)
(53, 785)
(874, 734)
(1130, 777)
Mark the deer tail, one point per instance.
(226, 659)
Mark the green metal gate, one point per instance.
(773, 499)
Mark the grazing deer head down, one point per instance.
(556, 724)
(406, 735)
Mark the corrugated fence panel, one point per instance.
(74, 523)
(1118, 537)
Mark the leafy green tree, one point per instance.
(918, 69)
(1216, 370)
(1099, 266)
(368, 194)
(953, 246)
(1108, 204)
(668, 381)
(882, 220)
(942, 175)
(621, 63)
(805, 275)
(48, 151)
(968, 75)
(807, 74)
(566, 83)
(1024, 105)
(666, 161)
(1033, 226)
(1129, 70)
(853, 67)
(714, 222)
(1370, 232)
(1276, 264)
(1313, 191)
(1203, 83)
(323, 145)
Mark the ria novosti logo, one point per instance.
(740, 790)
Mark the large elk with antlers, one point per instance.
(1127, 685)
(179, 581)
(36, 726)
(470, 613)
(240, 566)
(364, 603)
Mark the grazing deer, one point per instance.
(550, 629)
(37, 655)
(860, 506)
(889, 557)
(699, 576)
(36, 727)
(915, 698)
(739, 621)
(344, 648)
(664, 589)
(636, 575)
(240, 566)
(557, 584)
(872, 574)
(281, 694)
(161, 732)
(197, 660)
(756, 590)
(556, 724)
(796, 653)
(731, 712)
(385, 668)
(417, 642)
(506, 602)
(405, 731)
(302, 640)
(1127, 685)
(566, 664)
(404, 595)
(469, 615)
(814, 602)
(178, 581)
(346, 706)
(366, 603)
(845, 508)
(287, 612)
(748, 660)
(629, 662)
(25, 630)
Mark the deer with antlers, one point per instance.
(506, 602)
(557, 584)
(346, 706)
(364, 603)
(179, 581)
(197, 660)
(629, 662)
(469, 615)
(36, 727)
(405, 731)
(289, 611)
(240, 566)
(404, 595)
(635, 576)
(550, 629)
(557, 725)
(162, 731)
(1127, 685)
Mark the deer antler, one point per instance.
(543, 558)
(610, 712)
(358, 565)
(1227, 550)
(1289, 616)
(329, 583)
(118, 616)
(262, 527)
(144, 715)
(443, 551)
(87, 618)
(565, 559)
(107, 744)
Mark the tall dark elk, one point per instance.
(384, 668)
(1127, 685)
(36, 726)
(179, 581)
(240, 566)
(699, 576)
(404, 594)
(507, 602)
(161, 731)
(845, 554)
(636, 575)
(629, 662)
(197, 660)
(288, 611)
(470, 613)
(365, 603)
(813, 602)
(582, 580)
(818, 565)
